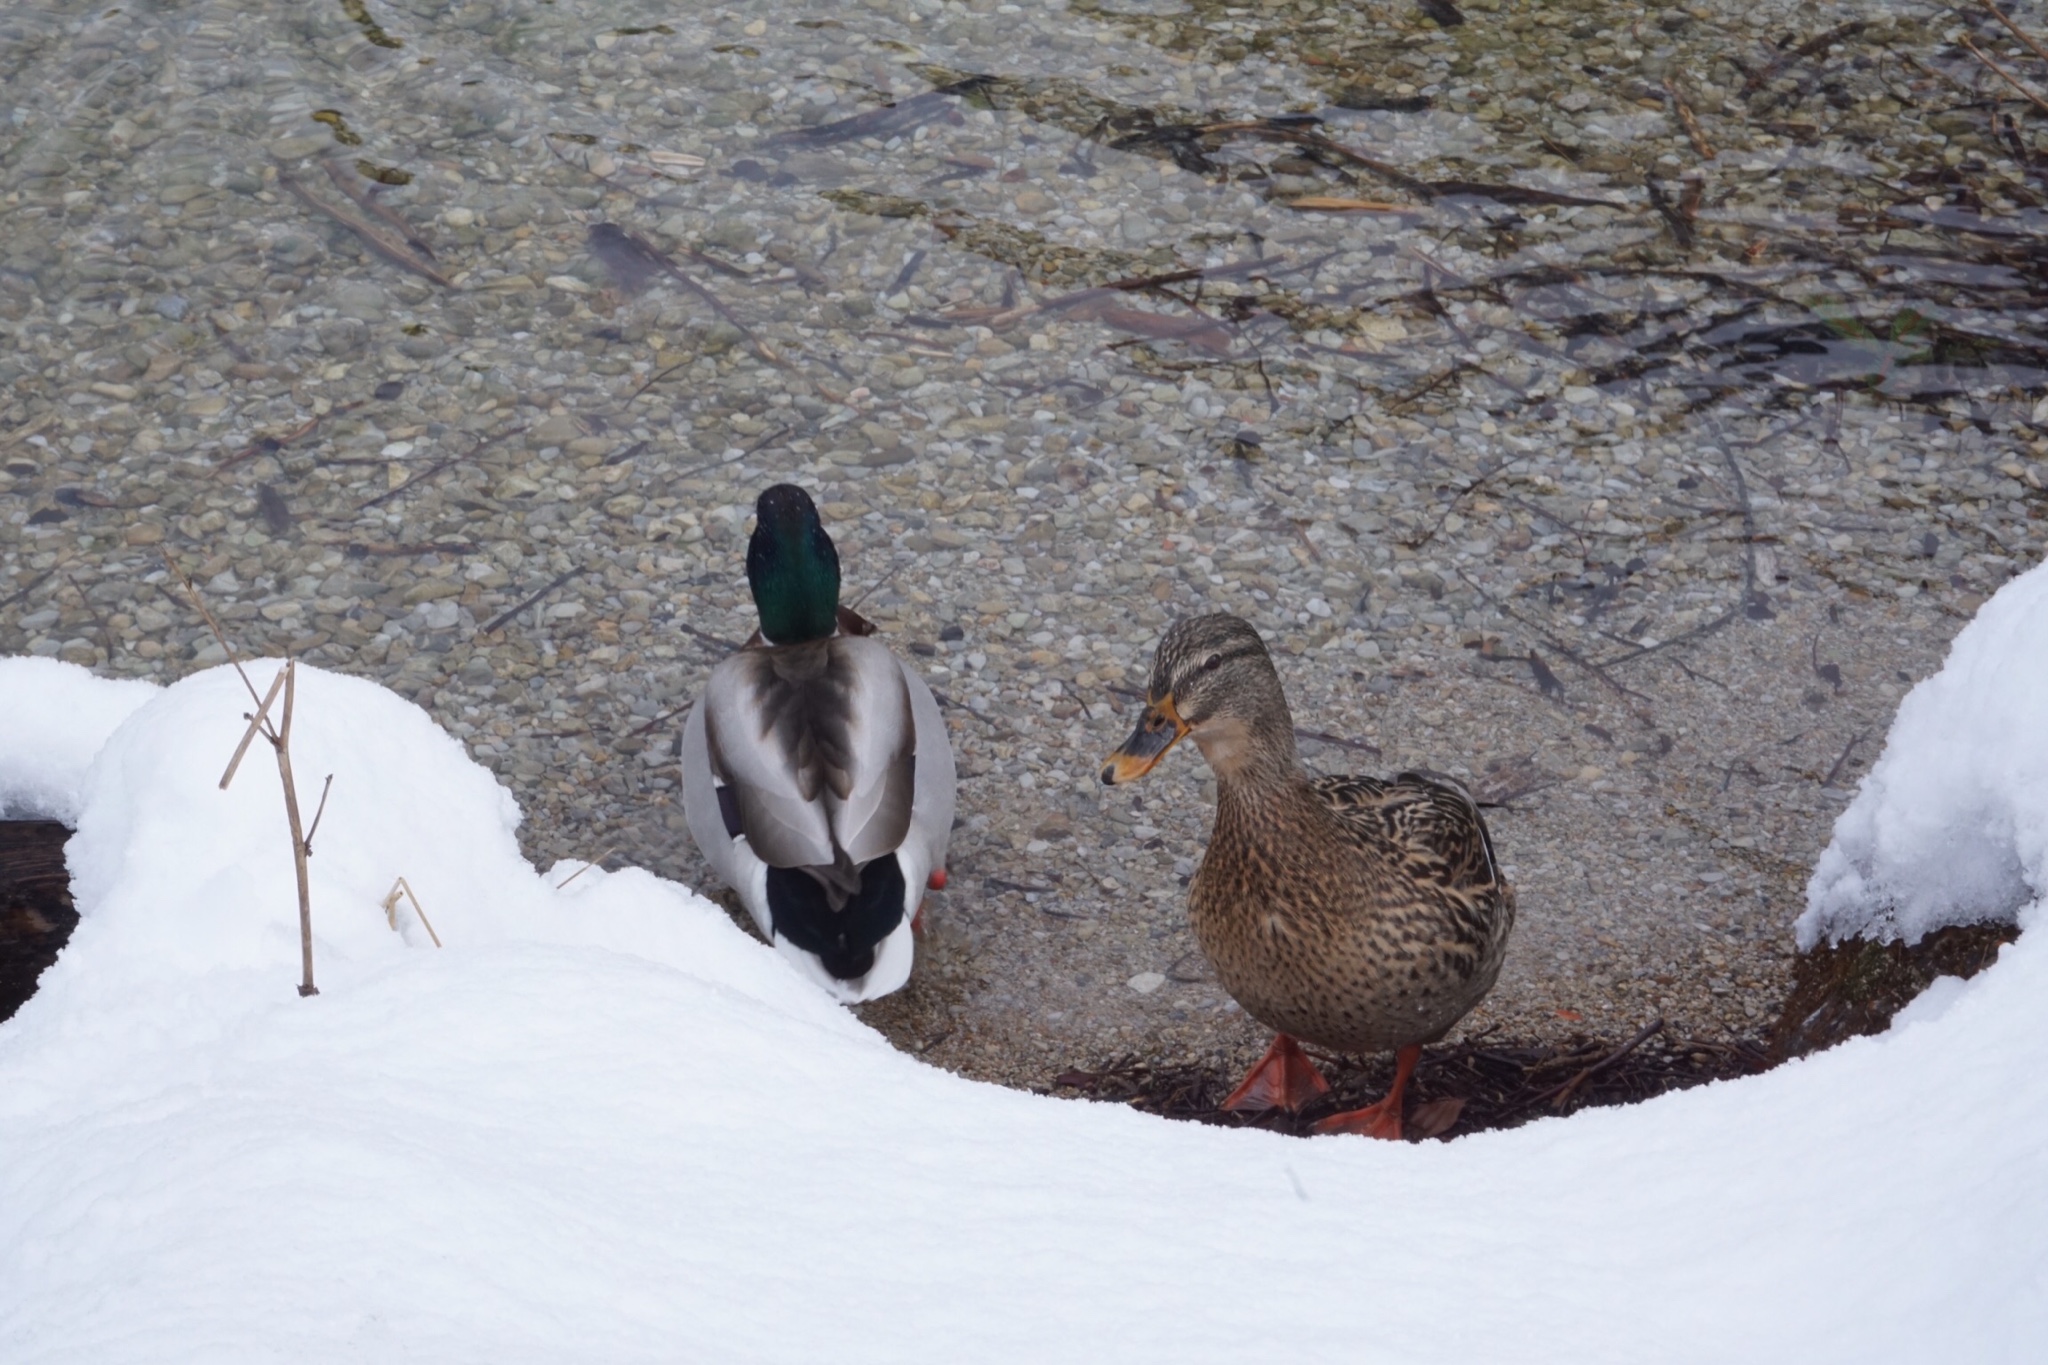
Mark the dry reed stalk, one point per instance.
(583, 869)
(404, 887)
(256, 727)
(279, 737)
(301, 849)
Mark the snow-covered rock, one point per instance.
(1951, 825)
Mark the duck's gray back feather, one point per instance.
(815, 742)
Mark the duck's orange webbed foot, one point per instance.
(1284, 1079)
(1382, 1120)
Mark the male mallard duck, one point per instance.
(817, 776)
(1358, 914)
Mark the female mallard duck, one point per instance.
(1358, 914)
(817, 776)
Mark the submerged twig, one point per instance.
(889, 120)
(192, 590)
(1098, 304)
(503, 617)
(651, 726)
(2017, 31)
(1324, 737)
(1474, 486)
(392, 249)
(372, 204)
(1843, 761)
(1754, 604)
(633, 258)
(1686, 637)
(2002, 73)
(884, 581)
(270, 445)
(1689, 120)
(21, 594)
(1599, 671)
(438, 467)
(1818, 43)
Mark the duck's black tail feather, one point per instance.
(844, 939)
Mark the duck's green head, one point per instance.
(792, 568)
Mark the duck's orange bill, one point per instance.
(1159, 729)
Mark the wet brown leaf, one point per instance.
(1204, 334)
(1435, 1118)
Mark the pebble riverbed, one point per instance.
(1657, 425)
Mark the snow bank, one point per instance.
(1951, 825)
(603, 1124)
(53, 718)
(182, 887)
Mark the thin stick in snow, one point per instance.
(279, 737)
(300, 849)
(256, 727)
(403, 887)
(583, 869)
(318, 811)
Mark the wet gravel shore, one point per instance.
(1630, 461)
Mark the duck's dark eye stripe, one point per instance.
(1216, 661)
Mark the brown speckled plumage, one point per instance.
(1357, 914)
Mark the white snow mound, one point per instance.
(183, 888)
(56, 717)
(602, 1124)
(1951, 825)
